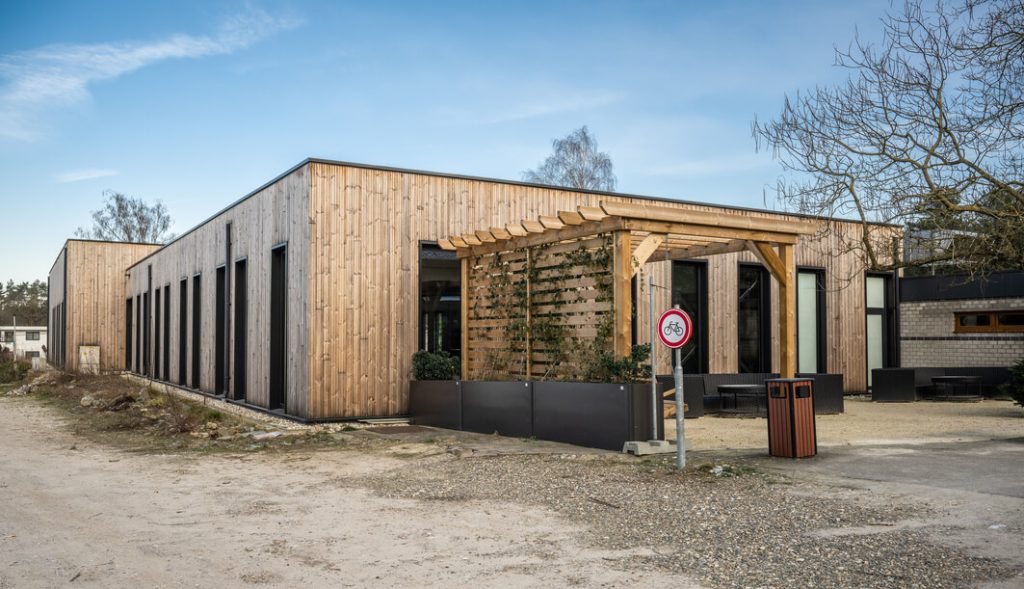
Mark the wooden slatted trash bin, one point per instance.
(792, 432)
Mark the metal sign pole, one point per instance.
(677, 373)
(654, 364)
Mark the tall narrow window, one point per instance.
(138, 334)
(197, 324)
(810, 321)
(128, 334)
(440, 306)
(690, 292)
(240, 345)
(880, 334)
(183, 332)
(157, 335)
(146, 318)
(754, 320)
(220, 330)
(167, 333)
(278, 328)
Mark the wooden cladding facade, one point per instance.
(274, 215)
(87, 301)
(353, 236)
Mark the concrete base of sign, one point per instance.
(649, 447)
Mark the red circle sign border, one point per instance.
(687, 322)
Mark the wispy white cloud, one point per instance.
(38, 80)
(83, 174)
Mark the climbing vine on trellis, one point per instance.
(546, 311)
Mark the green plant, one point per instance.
(1015, 386)
(435, 366)
(633, 368)
(13, 370)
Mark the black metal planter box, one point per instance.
(502, 407)
(595, 415)
(437, 403)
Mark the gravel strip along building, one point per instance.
(309, 296)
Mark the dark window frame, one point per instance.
(765, 334)
(995, 324)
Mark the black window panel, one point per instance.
(197, 324)
(145, 333)
(278, 332)
(183, 332)
(241, 328)
(138, 334)
(220, 330)
(440, 301)
(157, 335)
(167, 334)
(128, 333)
(690, 292)
(1013, 319)
(754, 319)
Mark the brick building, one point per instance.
(954, 321)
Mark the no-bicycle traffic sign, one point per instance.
(675, 328)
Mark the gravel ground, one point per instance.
(867, 423)
(748, 530)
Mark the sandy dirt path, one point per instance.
(76, 514)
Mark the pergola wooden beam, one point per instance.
(698, 251)
(643, 251)
(767, 256)
(608, 225)
(665, 233)
(652, 212)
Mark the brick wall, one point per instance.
(927, 337)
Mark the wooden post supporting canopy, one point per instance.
(787, 313)
(622, 292)
(464, 308)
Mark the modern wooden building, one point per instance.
(310, 295)
(86, 301)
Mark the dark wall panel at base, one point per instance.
(593, 415)
(503, 407)
(437, 403)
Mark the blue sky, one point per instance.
(197, 103)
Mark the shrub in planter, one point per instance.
(435, 366)
(1015, 386)
(607, 368)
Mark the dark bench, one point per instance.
(700, 391)
(906, 385)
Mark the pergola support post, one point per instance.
(787, 313)
(622, 293)
(464, 306)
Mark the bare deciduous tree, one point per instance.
(126, 218)
(927, 132)
(575, 163)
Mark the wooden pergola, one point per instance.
(641, 234)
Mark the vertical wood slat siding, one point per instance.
(365, 230)
(95, 308)
(278, 213)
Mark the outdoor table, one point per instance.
(755, 391)
(957, 387)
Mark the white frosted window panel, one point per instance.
(807, 322)
(874, 344)
(876, 292)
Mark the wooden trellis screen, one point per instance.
(530, 312)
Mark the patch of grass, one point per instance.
(114, 411)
